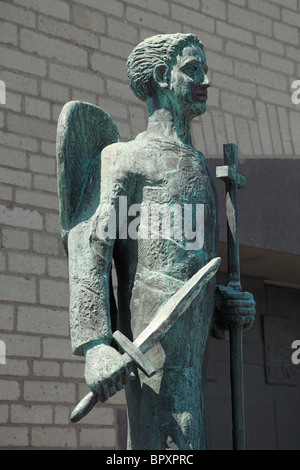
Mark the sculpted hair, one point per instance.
(154, 51)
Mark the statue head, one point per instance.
(172, 65)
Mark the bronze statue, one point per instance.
(103, 185)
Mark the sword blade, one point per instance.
(175, 307)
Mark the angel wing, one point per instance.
(83, 131)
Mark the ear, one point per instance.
(161, 76)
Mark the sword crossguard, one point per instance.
(229, 171)
(134, 352)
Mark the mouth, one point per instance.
(200, 94)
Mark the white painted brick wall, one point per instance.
(52, 52)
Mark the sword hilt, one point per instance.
(131, 354)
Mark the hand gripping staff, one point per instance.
(155, 331)
(234, 181)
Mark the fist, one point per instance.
(106, 372)
(235, 307)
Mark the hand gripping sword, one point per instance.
(155, 331)
(234, 181)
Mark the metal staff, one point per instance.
(234, 181)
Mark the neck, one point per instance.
(167, 124)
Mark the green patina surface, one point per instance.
(97, 174)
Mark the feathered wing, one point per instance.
(83, 131)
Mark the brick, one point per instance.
(17, 14)
(269, 45)
(57, 347)
(20, 142)
(102, 416)
(115, 47)
(37, 107)
(261, 76)
(192, 18)
(51, 392)
(52, 48)
(218, 122)
(54, 293)
(285, 130)
(45, 244)
(19, 217)
(108, 65)
(76, 78)
(58, 267)
(52, 223)
(22, 345)
(30, 126)
(89, 19)
(238, 34)
(209, 135)
(215, 8)
(9, 33)
(236, 104)
(189, 3)
(249, 20)
(19, 82)
(277, 63)
(54, 92)
(49, 148)
(13, 158)
(62, 415)
(264, 128)
(46, 369)
(217, 62)
(45, 183)
(68, 32)
(13, 101)
(38, 199)
(12, 436)
(53, 437)
(264, 8)
(98, 438)
(243, 134)
(23, 62)
(35, 414)
(55, 8)
(7, 317)
(156, 22)
(42, 164)
(73, 370)
(112, 7)
(15, 177)
(246, 53)
(286, 33)
(6, 193)
(292, 4)
(236, 86)
(42, 320)
(269, 95)
(119, 28)
(29, 264)
(210, 41)
(17, 367)
(17, 239)
(115, 109)
(9, 390)
(255, 136)
(4, 413)
(274, 129)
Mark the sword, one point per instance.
(154, 332)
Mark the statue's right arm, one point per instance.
(90, 257)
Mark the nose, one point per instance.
(206, 82)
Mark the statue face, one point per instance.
(189, 82)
